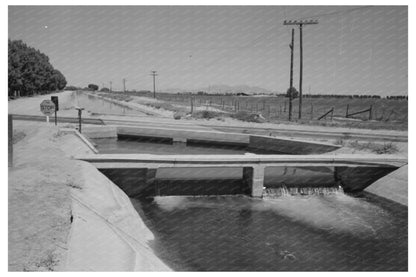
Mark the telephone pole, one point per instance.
(124, 85)
(300, 23)
(292, 45)
(111, 86)
(154, 74)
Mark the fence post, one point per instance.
(10, 121)
(311, 111)
(370, 116)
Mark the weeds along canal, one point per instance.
(318, 229)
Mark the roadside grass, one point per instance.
(49, 262)
(385, 148)
(248, 117)
(339, 141)
(18, 136)
(207, 114)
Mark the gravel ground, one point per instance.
(39, 199)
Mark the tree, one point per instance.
(292, 91)
(93, 87)
(30, 72)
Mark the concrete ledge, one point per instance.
(393, 186)
(290, 146)
(107, 232)
(155, 161)
(81, 137)
(183, 134)
(94, 132)
(272, 144)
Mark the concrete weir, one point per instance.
(136, 174)
(266, 143)
(352, 171)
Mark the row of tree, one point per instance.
(30, 71)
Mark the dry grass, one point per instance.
(385, 148)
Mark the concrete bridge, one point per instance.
(353, 172)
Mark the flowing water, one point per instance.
(334, 232)
(317, 228)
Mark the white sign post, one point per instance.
(47, 107)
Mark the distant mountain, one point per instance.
(225, 89)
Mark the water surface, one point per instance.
(334, 232)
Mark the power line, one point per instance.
(336, 12)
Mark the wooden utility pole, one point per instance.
(111, 86)
(300, 23)
(154, 74)
(124, 85)
(291, 74)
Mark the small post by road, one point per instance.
(10, 125)
(192, 104)
(54, 99)
(79, 118)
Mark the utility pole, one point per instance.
(300, 23)
(154, 74)
(111, 86)
(292, 45)
(124, 85)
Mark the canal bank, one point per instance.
(34, 187)
(48, 190)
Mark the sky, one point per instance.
(353, 49)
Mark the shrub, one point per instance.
(248, 117)
(385, 148)
(206, 114)
(93, 87)
(72, 88)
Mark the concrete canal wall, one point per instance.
(257, 142)
(393, 186)
(107, 233)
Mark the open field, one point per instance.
(385, 113)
